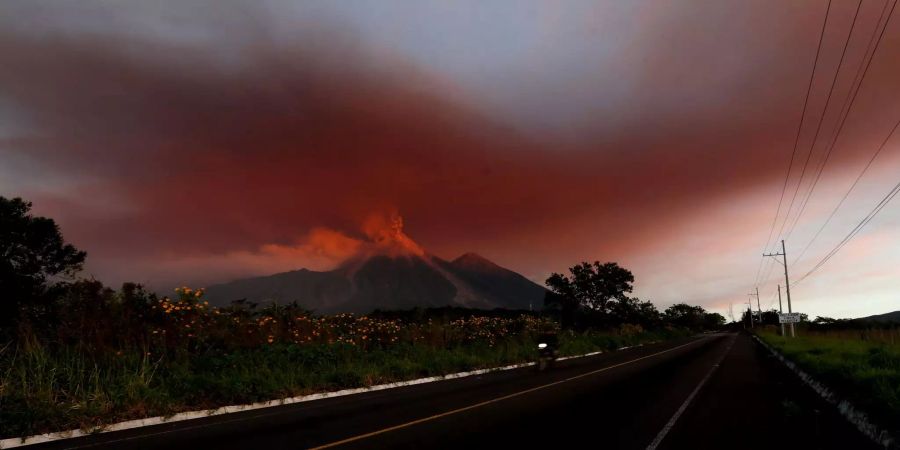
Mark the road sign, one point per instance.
(789, 318)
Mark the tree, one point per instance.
(820, 320)
(634, 311)
(769, 317)
(713, 321)
(33, 252)
(694, 317)
(591, 286)
(749, 318)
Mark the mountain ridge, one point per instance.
(389, 281)
(893, 316)
(389, 271)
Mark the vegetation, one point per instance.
(116, 355)
(861, 365)
(32, 251)
(75, 353)
(769, 317)
(595, 295)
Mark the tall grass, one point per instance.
(48, 385)
(862, 366)
(890, 336)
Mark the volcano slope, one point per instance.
(390, 272)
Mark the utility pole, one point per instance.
(780, 310)
(750, 312)
(758, 309)
(787, 281)
(787, 284)
(756, 294)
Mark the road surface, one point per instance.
(711, 391)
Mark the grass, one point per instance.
(45, 387)
(861, 366)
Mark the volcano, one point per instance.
(390, 272)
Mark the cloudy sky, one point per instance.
(193, 142)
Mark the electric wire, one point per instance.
(841, 127)
(847, 194)
(868, 218)
(812, 145)
(862, 71)
(787, 176)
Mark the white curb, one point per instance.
(852, 414)
(137, 423)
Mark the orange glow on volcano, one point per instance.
(386, 234)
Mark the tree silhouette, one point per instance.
(591, 286)
(684, 315)
(695, 317)
(33, 252)
(713, 321)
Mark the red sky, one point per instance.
(194, 143)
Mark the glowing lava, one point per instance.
(387, 237)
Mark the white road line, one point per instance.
(495, 400)
(662, 433)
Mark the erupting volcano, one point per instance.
(390, 271)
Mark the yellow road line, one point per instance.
(495, 400)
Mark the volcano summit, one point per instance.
(390, 271)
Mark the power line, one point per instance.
(841, 127)
(852, 186)
(862, 71)
(868, 218)
(812, 145)
(768, 272)
(797, 139)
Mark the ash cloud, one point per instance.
(239, 144)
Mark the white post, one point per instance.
(780, 309)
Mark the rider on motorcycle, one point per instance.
(548, 349)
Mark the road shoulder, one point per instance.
(753, 401)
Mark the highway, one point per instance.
(710, 391)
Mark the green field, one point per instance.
(861, 366)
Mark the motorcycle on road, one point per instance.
(547, 351)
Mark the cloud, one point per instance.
(320, 249)
(216, 145)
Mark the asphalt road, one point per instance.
(715, 391)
